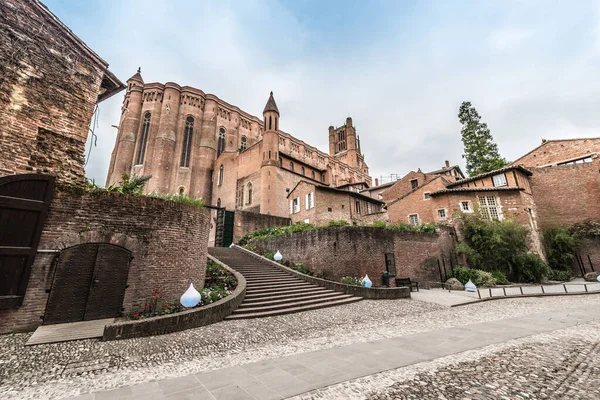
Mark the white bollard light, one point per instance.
(191, 297)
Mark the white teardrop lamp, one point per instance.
(366, 281)
(191, 297)
(278, 256)
(598, 278)
(470, 286)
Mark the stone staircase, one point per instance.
(272, 291)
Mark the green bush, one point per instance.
(337, 224)
(130, 184)
(500, 278)
(561, 248)
(303, 269)
(477, 276)
(276, 231)
(531, 268)
(563, 276)
(350, 280)
(378, 224)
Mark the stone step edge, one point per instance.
(352, 299)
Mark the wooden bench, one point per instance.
(407, 282)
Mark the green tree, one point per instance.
(481, 153)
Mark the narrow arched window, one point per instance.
(292, 166)
(250, 193)
(276, 123)
(303, 170)
(219, 202)
(143, 139)
(270, 122)
(220, 181)
(280, 162)
(243, 143)
(312, 174)
(186, 150)
(181, 191)
(221, 142)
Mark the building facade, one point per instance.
(198, 145)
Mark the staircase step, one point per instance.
(293, 293)
(327, 296)
(291, 303)
(275, 278)
(294, 309)
(266, 283)
(271, 289)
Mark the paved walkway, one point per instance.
(299, 373)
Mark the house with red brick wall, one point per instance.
(392, 190)
(501, 194)
(318, 204)
(565, 180)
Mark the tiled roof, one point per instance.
(476, 189)
(495, 172)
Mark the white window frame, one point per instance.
(307, 221)
(380, 196)
(427, 196)
(310, 200)
(500, 180)
(445, 213)
(469, 204)
(410, 219)
(296, 205)
(490, 208)
(369, 208)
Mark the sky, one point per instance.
(400, 69)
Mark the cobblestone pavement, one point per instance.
(563, 364)
(66, 369)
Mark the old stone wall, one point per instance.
(48, 91)
(567, 194)
(168, 241)
(356, 251)
(246, 222)
(589, 253)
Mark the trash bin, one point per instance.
(385, 279)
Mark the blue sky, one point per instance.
(399, 68)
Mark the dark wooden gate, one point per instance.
(89, 283)
(24, 203)
(228, 228)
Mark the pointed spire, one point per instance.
(271, 105)
(137, 76)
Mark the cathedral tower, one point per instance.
(122, 156)
(269, 171)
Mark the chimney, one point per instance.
(447, 164)
(376, 182)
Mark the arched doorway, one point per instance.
(89, 283)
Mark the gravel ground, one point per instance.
(71, 368)
(563, 364)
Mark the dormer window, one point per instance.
(500, 180)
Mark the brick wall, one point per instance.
(245, 222)
(567, 194)
(589, 251)
(48, 92)
(556, 151)
(168, 241)
(404, 185)
(356, 251)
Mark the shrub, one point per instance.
(378, 224)
(500, 278)
(337, 224)
(477, 276)
(180, 198)
(427, 228)
(277, 231)
(303, 269)
(130, 184)
(562, 276)
(350, 280)
(561, 247)
(531, 268)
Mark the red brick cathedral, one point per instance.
(196, 144)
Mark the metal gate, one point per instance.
(228, 228)
(24, 203)
(89, 283)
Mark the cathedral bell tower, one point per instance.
(271, 182)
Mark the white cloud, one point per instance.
(503, 39)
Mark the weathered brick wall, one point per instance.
(48, 91)
(567, 194)
(356, 251)
(168, 241)
(245, 222)
(403, 185)
(415, 203)
(556, 151)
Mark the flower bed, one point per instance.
(218, 284)
(179, 321)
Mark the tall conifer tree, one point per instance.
(481, 152)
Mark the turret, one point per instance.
(122, 157)
(271, 187)
(331, 140)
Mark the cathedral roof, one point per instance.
(271, 105)
(137, 76)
